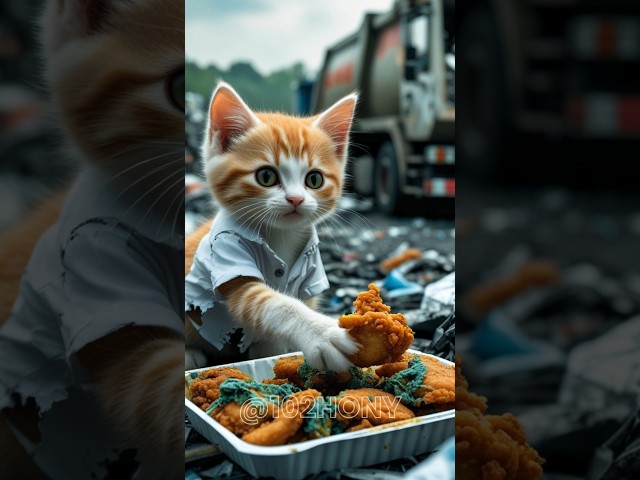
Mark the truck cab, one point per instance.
(402, 63)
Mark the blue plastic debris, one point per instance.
(396, 285)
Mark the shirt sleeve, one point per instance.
(112, 279)
(316, 281)
(231, 257)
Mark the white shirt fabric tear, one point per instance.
(231, 250)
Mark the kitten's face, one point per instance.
(116, 73)
(272, 170)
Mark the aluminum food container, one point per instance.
(345, 450)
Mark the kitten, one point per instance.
(273, 177)
(92, 356)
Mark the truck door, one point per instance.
(418, 86)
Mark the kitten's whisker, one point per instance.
(244, 207)
(340, 228)
(357, 215)
(148, 174)
(147, 192)
(329, 223)
(329, 227)
(259, 220)
(253, 214)
(167, 190)
(169, 207)
(180, 198)
(334, 222)
(143, 163)
(271, 217)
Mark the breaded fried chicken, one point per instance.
(383, 336)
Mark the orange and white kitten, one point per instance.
(107, 404)
(274, 177)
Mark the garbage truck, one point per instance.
(402, 64)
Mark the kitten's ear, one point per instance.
(229, 117)
(336, 122)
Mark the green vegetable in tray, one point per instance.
(405, 383)
(240, 391)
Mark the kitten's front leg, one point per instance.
(143, 403)
(258, 307)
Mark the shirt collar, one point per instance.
(226, 223)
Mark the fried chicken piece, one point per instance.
(275, 381)
(466, 400)
(241, 419)
(360, 426)
(383, 336)
(419, 382)
(390, 369)
(287, 368)
(490, 447)
(376, 406)
(439, 384)
(205, 389)
(288, 420)
(393, 262)
(300, 373)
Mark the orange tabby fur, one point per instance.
(239, 144)
(16, 245)
(191, 243)
(106, 70)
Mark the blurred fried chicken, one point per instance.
(393, 262)
(490, 447)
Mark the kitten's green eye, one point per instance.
(314, 180)
(175, 88)
(266, 177)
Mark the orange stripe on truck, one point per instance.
(342, 75)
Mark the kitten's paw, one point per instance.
(194, 358)
(331, 349)
(341, 339)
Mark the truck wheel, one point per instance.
(387, 180)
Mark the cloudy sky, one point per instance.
(271, 34)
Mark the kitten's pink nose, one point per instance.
(295, 201)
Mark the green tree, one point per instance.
(275, 92)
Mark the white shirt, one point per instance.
(103, 266)
(231, 250)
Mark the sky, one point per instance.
(271, 34)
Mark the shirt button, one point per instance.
(279, 272)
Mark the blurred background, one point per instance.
(547, 216)
(28, 169)
(546, 197)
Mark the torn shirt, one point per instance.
(231, 250)
(104, 265)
